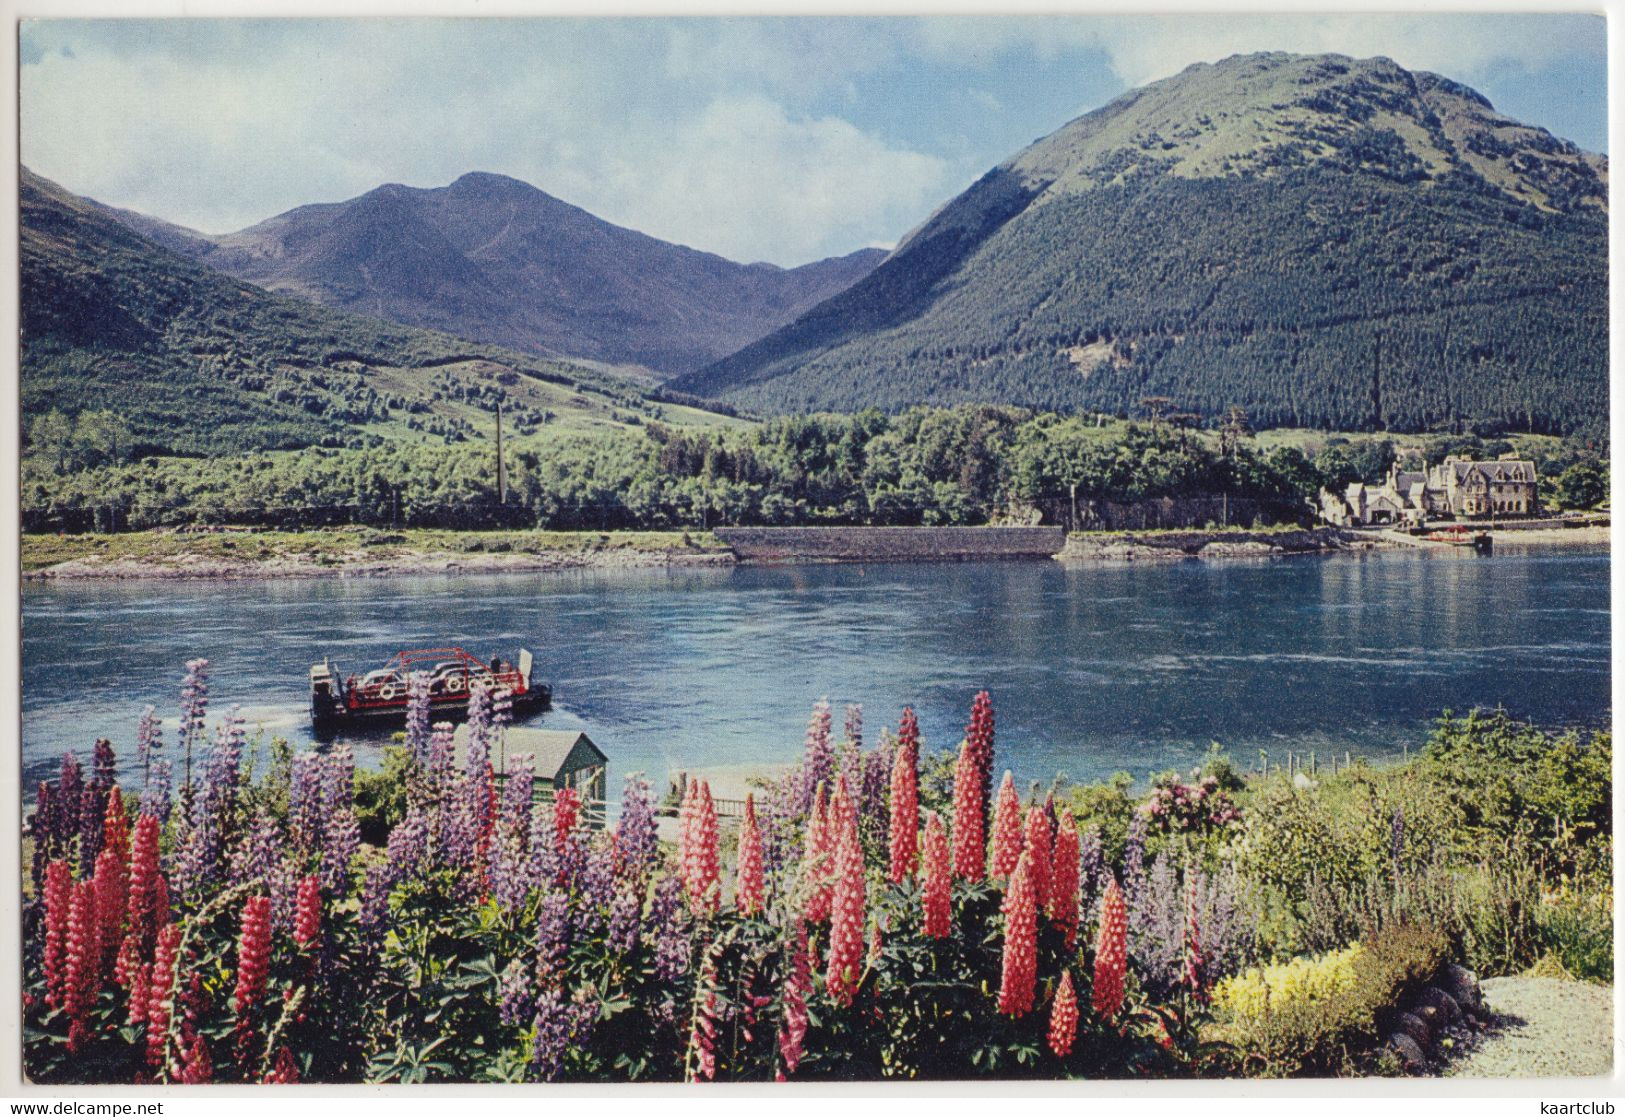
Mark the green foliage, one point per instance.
(963, 465)
(381, 795)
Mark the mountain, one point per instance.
(494, 259)
(1320, 240)
(196, 362)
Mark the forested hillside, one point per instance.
(1320, 241)
(169, 357)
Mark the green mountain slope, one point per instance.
(1322, 241)
(195, 362)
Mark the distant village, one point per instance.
(1454, 489)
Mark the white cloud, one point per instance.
(1144, 48)
(685, 136)
(738, 136)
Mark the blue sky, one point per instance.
(780, 139)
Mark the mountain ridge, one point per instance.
(495, 259)
(1348, 193)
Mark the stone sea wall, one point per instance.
(891, 544)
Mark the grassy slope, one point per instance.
(338, 545)
(200, 363)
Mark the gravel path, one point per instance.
(1548, 1029)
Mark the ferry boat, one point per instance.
(378, 698)
(1461, 536)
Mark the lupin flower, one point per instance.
(442, 758)
(1020, 963)
(103, 773)
(253, 955)
(908, 730)
(417, 717)
(968, 847)
(196, 1067)
(1006, 847)
(1397, 834)
(70, 790)
(306, 802)
(1111, 953)
(83, 973)
(58, 905)
(140, 995)
(792, 1032)
(874, 795)
(635, 837)
(700, 1061)
(1063, 1017)
(1064, 879)
(559, 1024)
(103, 765)
(1036, 840)
(979, 736)
(625, 915)
(903, 843)
(702, 867)
(595, 888)
(670, 924)
(818, 862)
(112, 880)
(42, 827)
(155, 797)
(1134, 875)
(749, 889)
(938, 872)
(552, 933)
(566, 813)
(1193, 976)
(847, 906)
(516, 989)
(1091, 874)
(818, 763)
(194, 710)
(161, 1002)
(149, 738)
(284, 1071)
(510, 854)
(307, 920)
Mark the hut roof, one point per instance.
(557, 751)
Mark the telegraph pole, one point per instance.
(502, 479)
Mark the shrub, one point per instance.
(1321, 1015)
(380, 797)
(1578, 928)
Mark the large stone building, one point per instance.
(1454, 489)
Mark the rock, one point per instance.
(1462, 984)
(1448, 1008)
(1408, 1023)
(1409, 1052)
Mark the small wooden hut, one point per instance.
(564, 758)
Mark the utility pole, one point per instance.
(502, 479)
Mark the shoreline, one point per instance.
(364, 553)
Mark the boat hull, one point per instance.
(330, 718)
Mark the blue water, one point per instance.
(1093, 669)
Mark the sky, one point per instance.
(779, 139)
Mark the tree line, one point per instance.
(971, 464)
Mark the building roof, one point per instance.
(1510, 470)
(557, 751)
